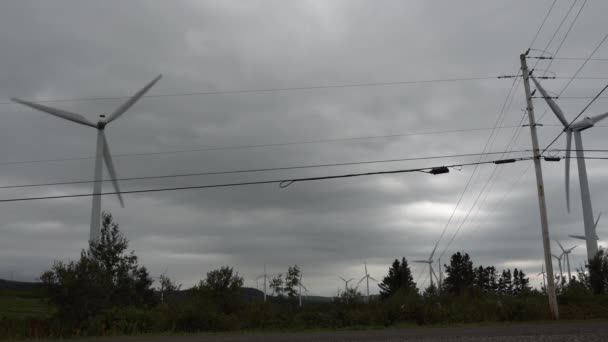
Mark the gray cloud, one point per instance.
(74, 49)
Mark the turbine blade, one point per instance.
(571, 249)
(421, 261)
(554, 107)
(125, 106)
(372, 278)
(580, 237)
(77, 118)
(362, 279)
(107, 156)
(597, 221)
(560, 246)
(598, 118)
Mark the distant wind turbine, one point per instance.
(300, 286)
(102, 154)
(346, 282)
(559, 263)
(265, 276)
(366, 277)
(567, 252)
(430, 262)
(542, 271)
(576, 129)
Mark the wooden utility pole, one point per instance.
(541, 191)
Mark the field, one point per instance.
(23, 303)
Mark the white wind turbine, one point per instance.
(300, 286)
(430, 262)
(265, 276)
(575, 129)
(366, 277)
(542, 271)
(346, 282)
(102, 154)
(567, 252)
(559, 263)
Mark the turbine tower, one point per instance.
(102, 155)
(300, 286)
(366, 277)
(265, 276)
(567, 252)
(576, 129)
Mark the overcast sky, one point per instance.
(89, 49)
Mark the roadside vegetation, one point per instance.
(106, 292)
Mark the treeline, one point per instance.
(106, 292)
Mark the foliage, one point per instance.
(399, 278)
(222, 286)
(471, 295)
(292, 280)
(597, 277)
(103, 278)
(460, 274)
(276, 285)
(167, 287)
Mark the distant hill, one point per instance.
(18, 285)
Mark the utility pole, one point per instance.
(541, 191)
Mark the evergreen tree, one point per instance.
(492, 279)
(460, 274)
(505, 283)
(399, 278)
(276, 285)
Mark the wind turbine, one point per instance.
(300, 286)
(559, 263)
(576, 129)
(102, 154)
(346, 282)
(366, 277)
(430, 263)
(567, 252)
(542, 271)
(265, 276)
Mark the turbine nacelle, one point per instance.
(103, 155)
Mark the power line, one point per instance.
(568, 58)
(466, 187)
(253, 170)
(576, 118)
(567, 32)
(516, 133)
(239, 147)
(576, 74)
(542, 24)
(264, 90)
(282, 182)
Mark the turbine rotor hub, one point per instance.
(101, 124)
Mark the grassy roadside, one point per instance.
(396, 327)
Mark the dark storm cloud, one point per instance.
(74, 49)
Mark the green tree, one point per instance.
(104, 277)
(167, 287)
(276, 285)
(223, 287)
(460, 274)
(399, 278)
(222, 282)
(596, 278)
(292, 280)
